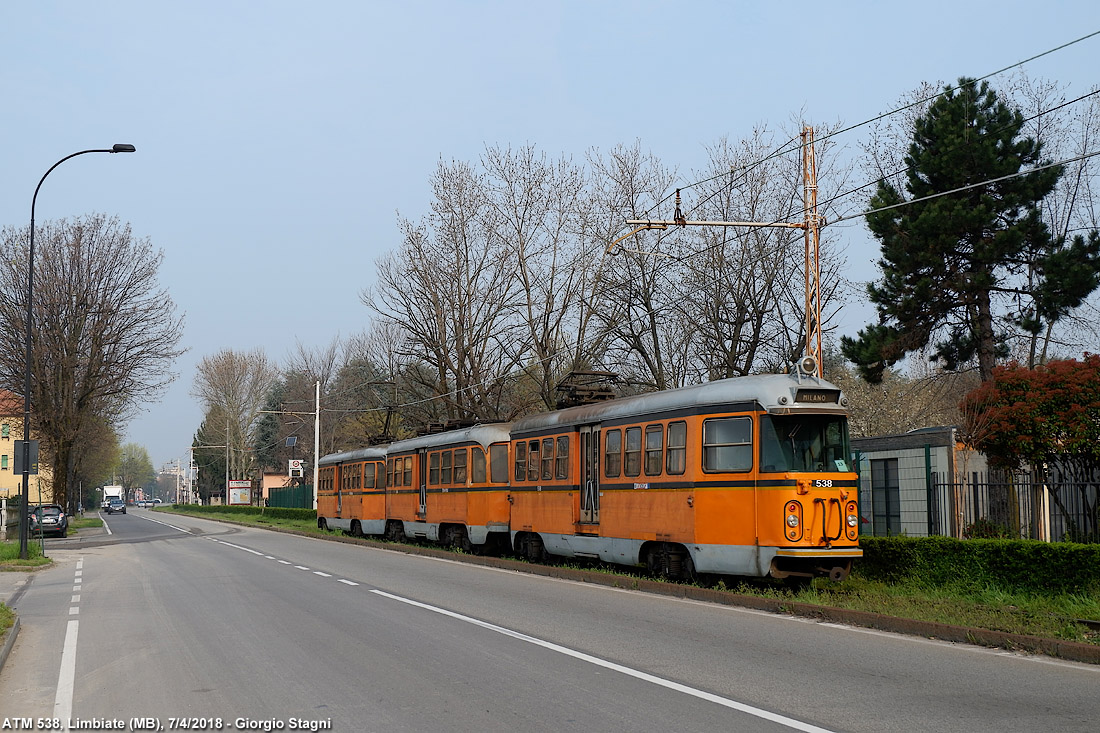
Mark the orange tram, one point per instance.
(748, 476)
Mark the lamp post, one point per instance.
(117, 148)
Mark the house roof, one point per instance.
(11, 404)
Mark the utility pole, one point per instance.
(316, 433)
(316, 441)
(811, 225)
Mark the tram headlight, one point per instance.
(793, 520)
(852, 519)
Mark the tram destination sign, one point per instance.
(817, 396)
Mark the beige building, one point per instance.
(11, 430)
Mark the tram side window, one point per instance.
(460, 466)
(408, 478)
(613, 456)
(477, 466)
(562, 459)
(390, 478)
(433, 469)
(368, 476)
(676, 455)
(654, 449)
(521, 461)
(498, 464)
(533, 461)
(632, 456)
(445, 468)
(547, 459)
(727, 444)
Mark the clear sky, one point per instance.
(277, 141)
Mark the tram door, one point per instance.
(590, 474)
(422, 459)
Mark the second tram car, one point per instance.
(450, 487)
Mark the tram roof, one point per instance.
(484, 434)
(370, 453)
(776, 393)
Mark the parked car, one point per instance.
(49, 519)
(116, 506)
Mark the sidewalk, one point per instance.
(12, 582)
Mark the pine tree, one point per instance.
(947, 260)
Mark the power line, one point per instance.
(970, 186)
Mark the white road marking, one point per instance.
(63, 700)
(637, 674)
(157, 521)
(347, 582)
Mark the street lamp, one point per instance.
(116, 148)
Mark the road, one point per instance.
(172, 617)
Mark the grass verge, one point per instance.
(7, 618)
(1054, 616)
(9, 556)
(85, 523)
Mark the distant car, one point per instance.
(116, 506)
(49, 519)
(142, 503)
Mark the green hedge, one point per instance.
(1025, 566)
(273, 512)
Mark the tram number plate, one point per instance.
(823, 483)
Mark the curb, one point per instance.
(1068, 650)
(9, 642)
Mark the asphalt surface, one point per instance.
(178, 614)
(12, 583)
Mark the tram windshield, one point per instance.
(817, 443)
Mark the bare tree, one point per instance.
(451, 290)
(534, 211)
(105, 333)
(631, 297)
(237, 385)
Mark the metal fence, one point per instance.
(1054, 505)
(291, 497)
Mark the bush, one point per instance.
(273, 512)
(1026, 566)
(983, 529)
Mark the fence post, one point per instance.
(928, 484)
